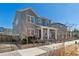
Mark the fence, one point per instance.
(5, 38)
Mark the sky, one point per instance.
(63, 13)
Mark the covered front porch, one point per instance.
(46, 33)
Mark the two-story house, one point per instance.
(28, 23)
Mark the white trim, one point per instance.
(56, 34)
(30, 18)
(41, 34)
(48, 33)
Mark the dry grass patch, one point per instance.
(70, 50)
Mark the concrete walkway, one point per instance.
(36, 50)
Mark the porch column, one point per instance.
(66, 36)
(41, 33)
(56, 34)
(48, 34)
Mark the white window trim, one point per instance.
(30, 18)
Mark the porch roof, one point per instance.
(48, 27)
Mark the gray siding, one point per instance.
(23, 25)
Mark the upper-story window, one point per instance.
(28, 18)
(16, 21)
(45, 23)
(33, 20)
(17, 18)
(39, 21)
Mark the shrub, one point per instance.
(30, 38)
(23, 39)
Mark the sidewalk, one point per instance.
(36, 50)
(31, 51)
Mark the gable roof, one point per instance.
(27, 11)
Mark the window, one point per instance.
(45, 23)
(18, 16)
(38, 21)
(32, 32)
(29, 32)
(36, 32)
(16, 21)
(28, 17)
(33, 19)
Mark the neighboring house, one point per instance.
(28, 23)
(5, 31)
(62, 32)
(1, 30)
